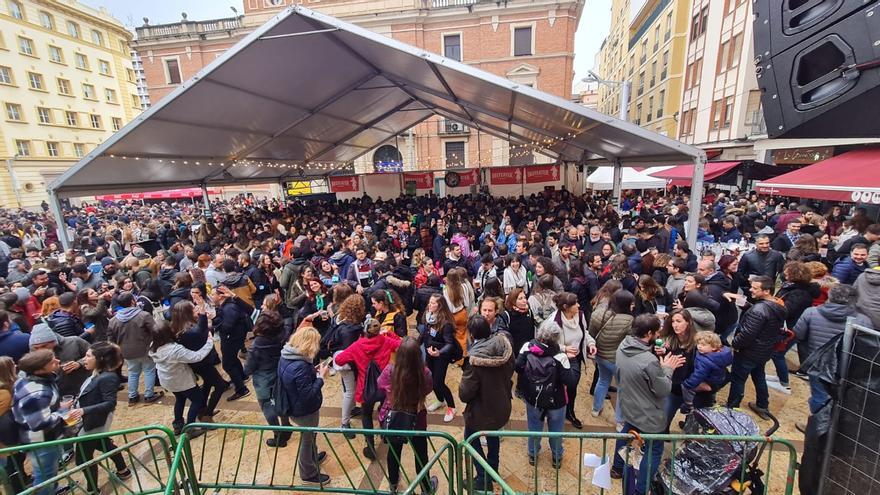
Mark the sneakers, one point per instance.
(436, 405)
(574, 420)
(532, 460)
(347, 435)
(450, 413)
(277, 442)
(153, 398)
(760, 411)
(66, 458)
(370, 453)
(239, 395)
(616, 475)
(434, 484)
(801, 374)
(124, 474)
(686, 409)
(557, 462)
(780, 387)
(134, 400)
(596, 414)
(319, 479)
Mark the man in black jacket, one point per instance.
(761, 261)
(716, 286)
(759, 330)
(232, 323)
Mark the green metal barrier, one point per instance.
(146, 451)
(233, 457)
(543, 477)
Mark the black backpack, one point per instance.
(540, 380)
(279, 396)
(372, 392)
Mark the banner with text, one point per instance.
(505, 175)
(469, 178)
(544, 173)
(422, 180)
(345, 183)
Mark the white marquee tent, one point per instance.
(603, 179)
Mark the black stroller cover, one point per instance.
(704, 467)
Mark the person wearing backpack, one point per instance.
(543, 371)
(369, 355)
(570, 324)
(346, 328)
(262, 365)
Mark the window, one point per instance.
(45, 115)
(25, 46)
(110, 95)
(668, 27)
(661, 99)
(104, 67)
(135, 101)
(723, 58)
(754, 114)
(699, 22)
(56, 55)
(117, 123)
(95, 121)
(641, 83)
(653, 73)
(129, 74)
(687, 122)
(736, 50)
(13, 112)
(46, 20)
(454, 154)
(665, 71)
(72, 119)
(632, 64)
(97, 37)
(452, 46)
(5, 75)
(88, 91)
(73, 29)
(717, 111)
(82, 62)
(522, 41)
(64, 87)
(704, 19)
(650, 108)
(728, 112)
(35, 81)
(172, 71)
(656, 38)
(52, 148)
(79, 149)
(644, 56)
(22, 148)
(15, 10)
(638, 119)
(693, 73)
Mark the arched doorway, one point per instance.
(387, 159)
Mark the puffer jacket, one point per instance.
(759, 330)
(820, 324)
(609, 329)
(642, 385)
(797, 298)
(716, 285)
(710, 368)
(67, 324)
(847, 271)
(486, 383)
(300, 382)
(868, 287)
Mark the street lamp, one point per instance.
(626, 86)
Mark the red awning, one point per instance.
(192, 192)
(851, 177)
(682, 175)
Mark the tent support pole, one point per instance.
(55, 205)
(205, 197)
(616, 184)
(695, 207)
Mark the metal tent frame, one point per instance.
(306, 93)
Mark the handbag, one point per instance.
(400, 421)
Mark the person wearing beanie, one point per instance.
(69, 350)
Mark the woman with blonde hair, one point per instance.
(417, 257)
(301, 397)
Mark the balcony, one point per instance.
(447, 127)
(189, 28)
(440, 4)
(755, 124)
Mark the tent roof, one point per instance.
(852, 177)
(683, 175)
(602, 179)
(306, 93)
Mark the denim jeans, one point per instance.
(196, 404)
(137, 366)
(606, 371)
(741, 370)
(780, 363)
(493, 454)
(654, 450)
(555, 419)
(349, 383)
(818, 395)
(44, 465)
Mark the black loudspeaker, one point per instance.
(818, 67)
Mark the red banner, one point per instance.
(545, 173)
(345, 183)
(469, 178)
(422, 180)
(505, 175)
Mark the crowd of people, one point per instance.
(388, 295)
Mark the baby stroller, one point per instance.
(724, 467)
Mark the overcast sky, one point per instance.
(592, 30)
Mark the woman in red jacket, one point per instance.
(373, 347)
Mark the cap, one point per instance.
(106, 260)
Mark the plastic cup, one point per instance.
(66, 403)
(661, 308)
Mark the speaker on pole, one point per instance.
(818, 66)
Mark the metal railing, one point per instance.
(234, 457)
(439, 4)
(186, 28)
(146, 452)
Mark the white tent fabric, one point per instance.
(306, 94)
(603, 179)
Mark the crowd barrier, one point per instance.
(235, 458)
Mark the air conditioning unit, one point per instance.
(454, 127)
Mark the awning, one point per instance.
(193, 192)
(602, 179)
(850, 177)
(306, 94)
(683, 175)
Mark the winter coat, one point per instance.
(868, 287)
(486, 384)
(521, 326)
(565, 375)
(442, 339)
(403, 288)
(193, 339)
(716, 285)
(99, 317)
(609, 329)
(710, 368)
(757, 263)
(797, 298)
(35, 400)
(760, 328)
(820, 324)
(14, 344)
(172, 365)
(542, 306)
(264, 353)
(300, 382)
(579, 338)
(642, 385)
(71, 349)
(422, 295)
(847, 271)
(175, 296)
(294, 295)
(166, 280)
(233, 320)
(378, 348)
(98, 399)
(67, 324)
(132, 329)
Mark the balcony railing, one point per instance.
(189, 28)
(755, 123)
(439, 4)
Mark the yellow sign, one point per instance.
(299, 188)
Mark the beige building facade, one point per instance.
(66, 84)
